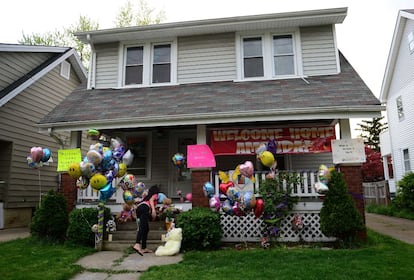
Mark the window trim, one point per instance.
(147, 63)
(267, 40)
(406, 161)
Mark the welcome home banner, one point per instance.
(289, 140)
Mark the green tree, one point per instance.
(138, 14)
(370, 131)
(65, 37)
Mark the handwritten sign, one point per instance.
(348, 151)
(66, 157)
(200, 156)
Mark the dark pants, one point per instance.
(143, 212)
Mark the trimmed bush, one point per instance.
(50, 220)
(201, 229)
(80, 225)
(405, 193)
(339, 216)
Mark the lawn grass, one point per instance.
(380, 258)
(31, 259)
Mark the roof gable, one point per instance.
(58, 55)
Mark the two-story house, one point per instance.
(33, 80)
(397, 93)
(230, 83)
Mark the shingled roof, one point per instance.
(344, 95)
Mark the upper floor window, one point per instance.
(400, 108)
(148, 64)
(267, 56)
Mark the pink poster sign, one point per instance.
(200, 156)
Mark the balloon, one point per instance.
(128, 197)
(107, 160)
(178, 159)
(237, 210)
(259, 208)
(323, 174)
(227, 207)
(128, 158)
(119, 152)
(109, 175)
(233, 194)
(161, 198)
(214, 203)
(189, 197)
(208, 189)
(267, 158)
(225, 186)
(98, 147)
(122, 170)
(321, 188)
(98, 181)
(116, 143)
(129, 182)
(261, 149)
(94, 157)
(93, 134)
(46, 155)
(74, 170)
(138, 190)
(33, 164)
(271, 147)
(36, 153)
(248, 200)
(82, 183)
(246, 169)
(106, 192)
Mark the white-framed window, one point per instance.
(65, 69)
(148, 64)
(400, 108)
(410, 39)
(140, 145)
(267, 55)
(406, 159)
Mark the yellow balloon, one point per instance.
(122, 170)
(98, 181)
(267, 158)
(74, 170)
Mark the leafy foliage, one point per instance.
(370, 131)
(201, 229)
(139, 14)
(405, 193)
(278, 202)
(372, 169)
(50, 219)
(339, 216)
(80, 222)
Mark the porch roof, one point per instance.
(340, 96)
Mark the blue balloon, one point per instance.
(106, 192)
(46, 155)
(208, 189)
(161, 197)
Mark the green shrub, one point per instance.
(80, 224)
(405, 193)
(50, 220)
(201, 229)
(339, 216)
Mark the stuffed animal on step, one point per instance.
(173, 244)
(126, 215)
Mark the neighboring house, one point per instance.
(397, 93)
(33, 80)
(230, 83)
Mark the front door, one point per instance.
(180, 175)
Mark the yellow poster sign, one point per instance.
(66, 157)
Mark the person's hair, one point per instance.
(153, 190)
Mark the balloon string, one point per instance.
(40, 187)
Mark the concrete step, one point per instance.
(122, 245)
(131, 234)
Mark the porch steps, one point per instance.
(124, 236)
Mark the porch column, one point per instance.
(201, 134)
(353, 177)
(345, 129)
(198, 178)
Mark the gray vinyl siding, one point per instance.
(206, 58)
(15, 65)
(18, 120)
(310, 162)
(106, 66)
(318, 51)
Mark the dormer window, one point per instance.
(149, 64)
(267, 56)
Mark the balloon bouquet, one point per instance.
(37, 158)
(266, 154)
(232, 200)
(324, 174)
(178, 161)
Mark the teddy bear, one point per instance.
(173, 243)
(126, 215)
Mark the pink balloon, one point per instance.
(189, 197)
(36, 153)
(246, 169)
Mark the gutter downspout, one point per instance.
(56, 138)
(92, 64)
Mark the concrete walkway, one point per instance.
(401, 229)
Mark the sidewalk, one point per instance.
(13, 233)
(401, 229)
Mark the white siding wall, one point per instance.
(402, 131)
(106, 66)
(206, 58)
(15, 65)
(17, 125)
(318, 51)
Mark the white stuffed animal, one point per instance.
(173, 244)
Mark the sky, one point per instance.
(364, 37)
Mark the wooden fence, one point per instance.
(376, 193)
